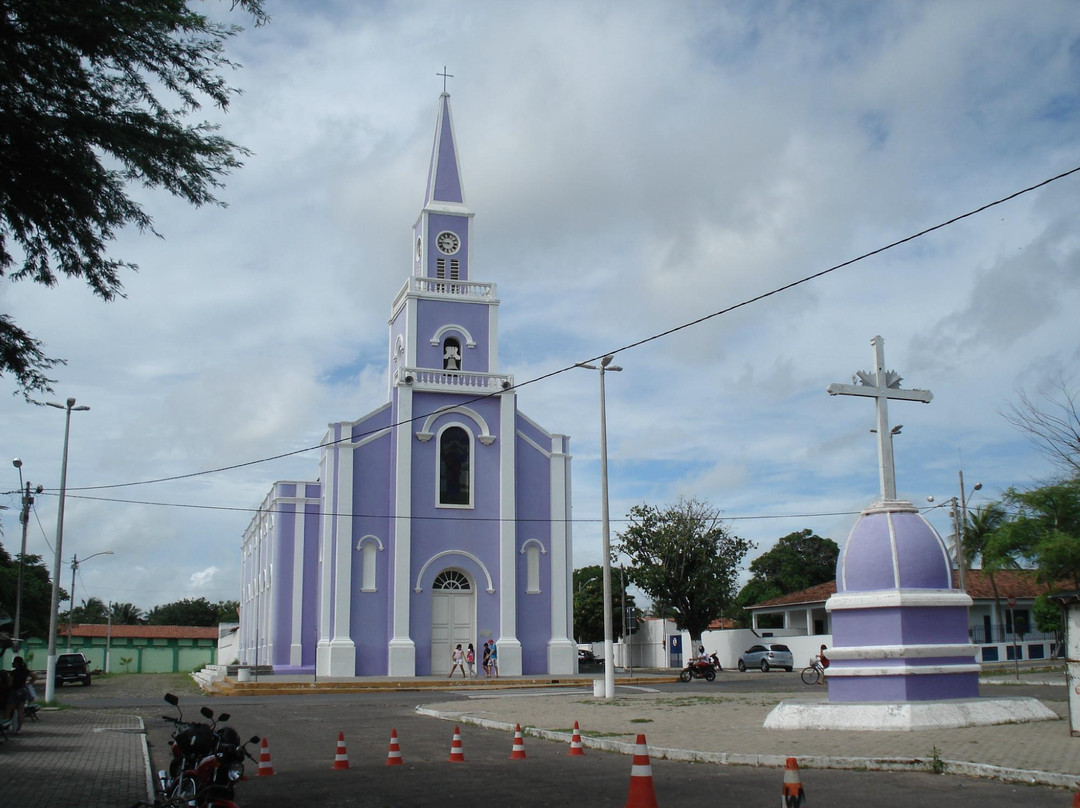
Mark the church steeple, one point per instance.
(444, 177)
(441, 234)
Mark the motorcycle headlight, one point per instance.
(236, 771)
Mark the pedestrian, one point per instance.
(19, 694)
(470, 660)
(493, 659)
(457, 656)
(486, 661)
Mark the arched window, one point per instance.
(532, 569)
(451, 359)
(453, 580)
(454, 467)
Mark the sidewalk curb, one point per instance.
(917, 764)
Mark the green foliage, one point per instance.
(797, 561)
(92, 610)
(1045, 531)
(127, 614)
(37, 592)
(589, 603)
(192, 612)
(1048, 616)
(685, 560)
(94, 96)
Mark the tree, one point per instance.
(982, 524)
(685, 560)
(1053, 424)
(95, 95)
(127, 614)
(37, 592)
(186, 612)
(93, 610)
(589, 604)
(797, 561)
(1044, 531)
(228, 611)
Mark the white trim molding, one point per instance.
(903, 651)
(420, 575)
(892, 598)
(436, 339)
(485, 437)
(902, 670)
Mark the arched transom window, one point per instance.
(453, 580)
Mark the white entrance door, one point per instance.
(452, 611)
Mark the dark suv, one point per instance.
(72, 668)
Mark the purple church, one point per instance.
(442, 517)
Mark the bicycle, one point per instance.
(813, 673)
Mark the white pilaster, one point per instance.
(562, 653)
(326, 556)
(342, 647)
(402, 650)
(509, 645)
(296, 648)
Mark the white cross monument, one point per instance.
(881, 384)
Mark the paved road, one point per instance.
(302, 731)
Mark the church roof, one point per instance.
(444, 176)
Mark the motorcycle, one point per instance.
(207, 761)
(698, 669)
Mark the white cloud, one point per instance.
(632, 167)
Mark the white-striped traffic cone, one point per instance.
(575, 742)
(642, 794)
(393, 757)
(341, 759)
(457, 751)
(266, 768)
(518, 752)
(793, 790)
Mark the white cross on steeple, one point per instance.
(881, 385)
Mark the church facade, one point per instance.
(442, 517)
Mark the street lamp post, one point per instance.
(24, 518)
(54, 603)
(961, 562)
(609, 643)
(74, 568)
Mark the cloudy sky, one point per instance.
(633, 167)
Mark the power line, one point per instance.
(637, 343)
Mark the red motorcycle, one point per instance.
(700, 669)
(207, 761)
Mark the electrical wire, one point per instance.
(627, 347)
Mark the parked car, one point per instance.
(766, 656)
(586, 660)
(72, 668)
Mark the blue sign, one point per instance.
(676, 643)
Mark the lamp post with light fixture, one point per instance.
(75, 562)
(609, 642)
(54, 603)
(24, 518)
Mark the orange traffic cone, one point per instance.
(393, 757)
(341, 759)
(575, 742)
(1076, 796)
(641, 794)
(457, 752)
(793, 790)
(518, 752)
(266, 768)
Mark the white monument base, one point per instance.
(893, 717)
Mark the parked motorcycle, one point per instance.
(697, 669)
(207, 761)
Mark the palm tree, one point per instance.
(982, 524)
(127, 614)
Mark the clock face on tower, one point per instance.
(448, 242)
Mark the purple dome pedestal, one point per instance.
(901, 656)
(900, 631)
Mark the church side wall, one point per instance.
(534, 524)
